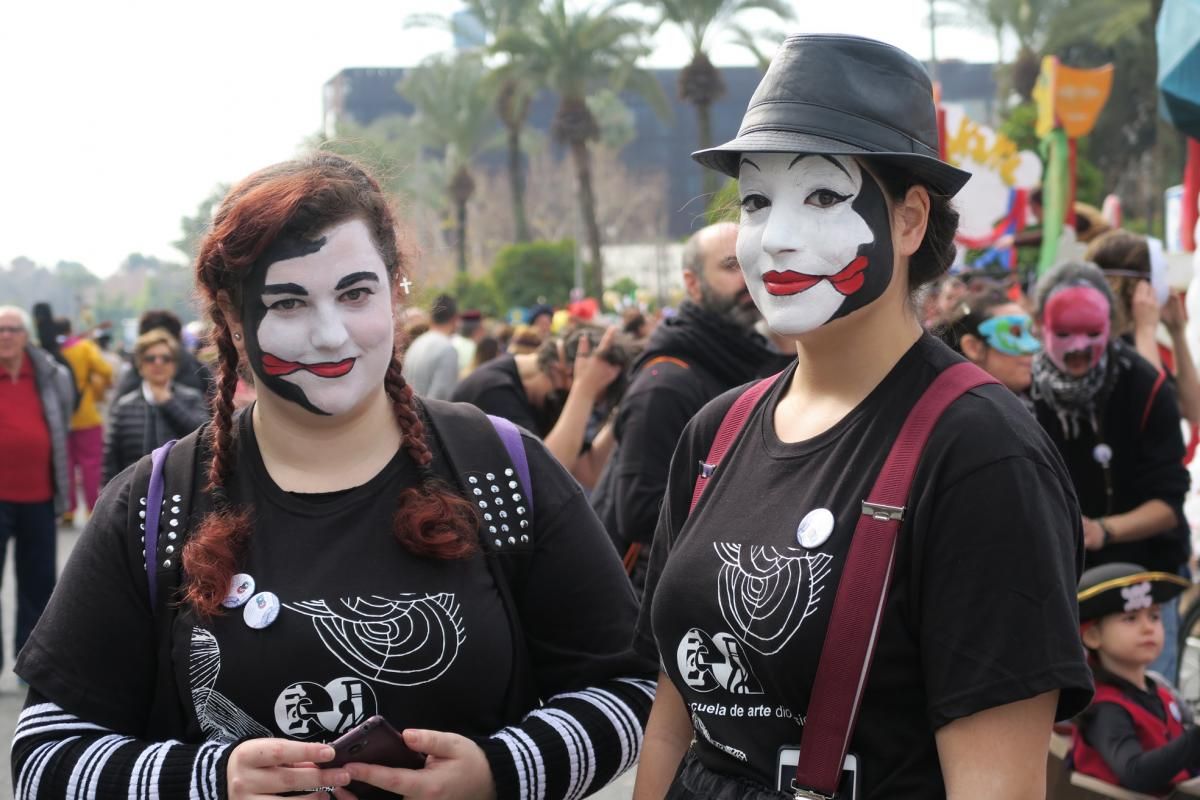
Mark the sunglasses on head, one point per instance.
(158, 359)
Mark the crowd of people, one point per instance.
(847, 522)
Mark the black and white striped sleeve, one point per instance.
(574, 744)
(58, 755)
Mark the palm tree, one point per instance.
(513, 87)
(452, 101)
(700, 83)
(1028, 21)
(570, 52)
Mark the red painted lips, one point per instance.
(277, 367)
(787, 283)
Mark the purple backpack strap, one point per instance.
(154, 504)
(510, 435)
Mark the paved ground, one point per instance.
(12, 698)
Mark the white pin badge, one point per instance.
(1102, 453)
(262, 610)
(241, 589)
(815, 528)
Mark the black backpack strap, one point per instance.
(479, 456)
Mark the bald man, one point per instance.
(708, 347)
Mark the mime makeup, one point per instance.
(815, 238)
(318, 319)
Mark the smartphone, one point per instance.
(789, 757)
(374, 742)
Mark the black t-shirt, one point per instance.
(982, 607)
(1146, 439)
(495, 388)
(364, 627)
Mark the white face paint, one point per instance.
(814, 241)
(327, 328)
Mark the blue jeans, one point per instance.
(34, 528)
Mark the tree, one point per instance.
(700, 83)
(535, 272)
(570, 52)
(452, 108)
(196, 226)
(513, 85)
(1028, 21)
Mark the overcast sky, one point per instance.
(119, 117)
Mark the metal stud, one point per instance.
(520, 509)
(513, 484)
(142, 526)
(491, 529)
(142, 501)
(170, 549)
(176, 498)
(472, 479)
(503, 515)
(143, 541)
(477, 491)
(142, 514)
(512, 540)
(174, 523)
(525, 538)
(504, 528)
(508, 472)
(143, 554)
(174, 509)
(171, 536)
(499, 501)
(487, 517)
(524, 523)
(167, 563)
(499, 543)
(490, 477)
(516, 498)
(495, 489)
(483, 504)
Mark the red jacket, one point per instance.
(1152, 732)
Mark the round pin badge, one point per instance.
(1103, 454)
(241, 589)
(815, 528)
(261, 611)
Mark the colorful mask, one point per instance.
(1075, 328)
(815, 240)
(318, 319)
(1011, 334)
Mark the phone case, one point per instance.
(374, 742)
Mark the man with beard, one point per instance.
(709, 347)
(1116, 422)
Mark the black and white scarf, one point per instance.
(1078, 400)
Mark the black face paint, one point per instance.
(254, 310)
(871, 205)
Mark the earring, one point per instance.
(237, 337)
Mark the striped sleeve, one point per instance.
(57, 755)
(574, 744)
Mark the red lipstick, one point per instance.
(788, 282)
(277, 367)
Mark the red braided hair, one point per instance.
(302, 198)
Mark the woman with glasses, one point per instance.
(156, 411)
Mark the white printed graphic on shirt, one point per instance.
(766, 593)
(219, 718)
(706, 662)
(404, 642)
(307, 710)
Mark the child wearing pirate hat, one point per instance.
(1135, 733)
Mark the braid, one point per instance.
(211, 554)
(431, 520)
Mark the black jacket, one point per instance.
(690, 359)
(190, 372)
(136, 427)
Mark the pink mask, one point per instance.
(1076, 322)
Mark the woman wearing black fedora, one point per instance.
(862, 582)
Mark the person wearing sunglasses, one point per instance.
(996, 334)
(158, 410)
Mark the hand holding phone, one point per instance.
(375, 742)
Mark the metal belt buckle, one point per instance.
(883, 513)
(808, 794)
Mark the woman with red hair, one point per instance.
(329, 564)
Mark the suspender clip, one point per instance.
(883, 513)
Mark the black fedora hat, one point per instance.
(843, 95)
(1119, 588)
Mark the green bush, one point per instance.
(541, 271)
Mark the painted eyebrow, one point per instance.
(830, 159)
(355, 277)
(284, 288)
(751, 163)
